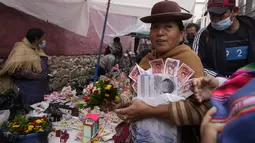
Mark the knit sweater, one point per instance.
(235, 103)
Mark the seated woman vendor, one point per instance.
(26, 68)
(167, 34)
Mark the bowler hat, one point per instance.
(166, 11)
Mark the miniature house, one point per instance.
(90, 127)
(68, 110)
(54, 113)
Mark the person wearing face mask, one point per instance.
(191, 31)
(227, 43)
(26, 68)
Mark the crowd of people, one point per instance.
(216, 53)
(223, 47)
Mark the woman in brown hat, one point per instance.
(167, 35)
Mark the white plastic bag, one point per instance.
(155, 130)
(4, 116)
(160, 100)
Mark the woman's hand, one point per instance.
(203, 87)
(136, 111)
(208, 129)
(108, 106)
(124, 100)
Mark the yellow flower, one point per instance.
(30, 127)
(38, 121)
(117, 98)
(40, 130)
(96, 141)
(108, 87)
(107, 95)
(15, 126)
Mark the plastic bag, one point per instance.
(4, 116)
(154, 130)
(161, 100)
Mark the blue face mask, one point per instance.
(222, 25)
(43, 45)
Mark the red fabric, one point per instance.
(60, 42)
(232, 86)
(221, 3)
(122, 135)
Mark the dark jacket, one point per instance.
(209, 45)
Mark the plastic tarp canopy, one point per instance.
(137, 8)
(139, 30)
(72, 15)
(124, 16)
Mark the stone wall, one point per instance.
(69, 70)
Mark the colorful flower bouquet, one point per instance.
(24, 129)
(22, 125)
(97, 93)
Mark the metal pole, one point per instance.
(102, 40)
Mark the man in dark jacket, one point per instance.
(228, 43)
(191, 31)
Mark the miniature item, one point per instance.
(58, 133)
(54, 113)
(90, 127)
(98, 92)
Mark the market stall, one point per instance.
(67, 117)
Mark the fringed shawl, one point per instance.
(24, 55)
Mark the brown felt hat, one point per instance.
(166, 11)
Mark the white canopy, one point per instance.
(137, 8)
(131, 11)
(73, 15)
